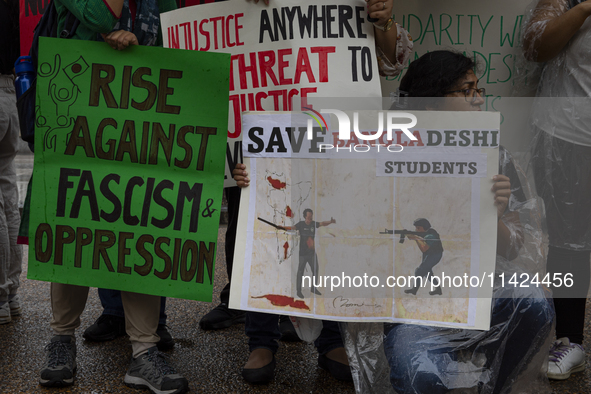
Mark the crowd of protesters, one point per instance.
(421, 359)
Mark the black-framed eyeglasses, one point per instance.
(470, 93)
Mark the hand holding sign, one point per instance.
(120, 39)
(379, 11)
(240, 175)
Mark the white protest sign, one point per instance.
(321, 235)
(282, 54)
(489, 32)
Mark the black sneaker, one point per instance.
(166, 342)
(221, 317)
(60, 362)
(105, 328)
(152, 371)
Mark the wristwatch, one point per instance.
(387, 26)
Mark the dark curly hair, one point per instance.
(434, 74)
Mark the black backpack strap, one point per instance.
(47, 27)
(70, 26)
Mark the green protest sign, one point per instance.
(129, 167)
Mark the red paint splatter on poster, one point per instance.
(281, 300)
(285, 248)
(288, 211)
(276, 183)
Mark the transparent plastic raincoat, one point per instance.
(510, 357)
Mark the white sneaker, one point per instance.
(15, 306)
(5, 313)
(565, 358)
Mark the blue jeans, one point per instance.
(111, 302)
(425, 359)
(262, 330)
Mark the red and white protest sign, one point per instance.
(282, 54)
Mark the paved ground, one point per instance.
(210, 360)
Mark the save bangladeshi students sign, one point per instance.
(322, 227)
(129, 162)
(282, 54)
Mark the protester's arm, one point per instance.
(509, 235)
(393, 47)
(97, 15)
(551, 28)
(121, 39)
(385, 40)
(509, 230)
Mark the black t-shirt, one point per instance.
(307, 233)
(433, 240)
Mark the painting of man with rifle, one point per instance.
(429, 243)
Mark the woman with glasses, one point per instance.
(433, 360)
(451, 76)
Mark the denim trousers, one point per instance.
(427, 359)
